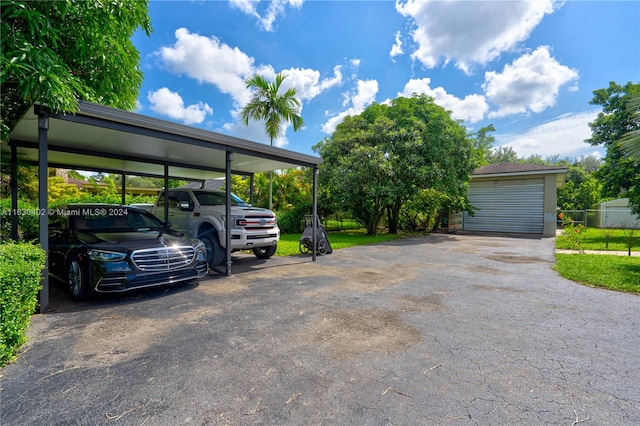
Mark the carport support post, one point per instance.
(227, 211)
(251, 189)
(123, 189)
(43, 127)
(166, 193)
(314, 214)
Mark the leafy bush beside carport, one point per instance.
(20, 268)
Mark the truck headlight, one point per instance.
(236, 221)
(106, 256)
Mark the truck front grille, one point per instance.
(261, 236)
(256, 222)
(164, 258)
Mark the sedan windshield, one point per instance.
(116, 220)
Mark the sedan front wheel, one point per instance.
(76, 281)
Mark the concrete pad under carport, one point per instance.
(445, 329)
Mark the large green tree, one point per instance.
(56, 52)
(581, 191)
(620, 174)
(502, 154)
(376, 161)
(483, 145)
(275, 109)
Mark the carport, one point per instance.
(106, 139)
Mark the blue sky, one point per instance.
(527, 67)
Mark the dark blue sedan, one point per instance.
(107, 248)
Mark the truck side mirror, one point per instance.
(186, 206)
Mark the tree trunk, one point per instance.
(271, 182)
(393, 217)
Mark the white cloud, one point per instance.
(275, 9)
(165, 102)
(208, 60)
(471, 31)
(307, 82)
(396, 49)
(563, 136)
(470, 109)
(529, 84)
(364, 96)
(248, 7)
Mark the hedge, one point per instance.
(292, 222)
(20, 272)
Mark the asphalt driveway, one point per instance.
(445, 329)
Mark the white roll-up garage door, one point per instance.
(506, 206)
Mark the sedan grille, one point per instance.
(163, 259)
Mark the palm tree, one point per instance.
(274, 109)
(630, 142)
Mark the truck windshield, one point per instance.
(218, 199)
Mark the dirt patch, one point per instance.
(514, 258)
(370, 280)
(468, 250)
(359, 332)
(431, 302)
(119, 338)
(364, 280)
(485, 270)
(223, 286)
(494, 288)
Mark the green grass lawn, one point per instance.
(596, 239)
(289, 244)
(621, 273)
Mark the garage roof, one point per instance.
(517, 168)
(505, 170)
(106, 139)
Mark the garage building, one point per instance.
(514, 198)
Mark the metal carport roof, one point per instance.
(102, 138)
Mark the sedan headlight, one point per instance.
(199, 246)
(106, 256)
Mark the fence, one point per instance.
(607, 218)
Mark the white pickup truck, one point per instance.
(200, 213)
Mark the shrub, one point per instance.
(292, 221)
(572, 234)
(20, 268)
(28, 220)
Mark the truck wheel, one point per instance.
(215, 253)
(265, 252)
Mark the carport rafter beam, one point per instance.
(80, 151)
